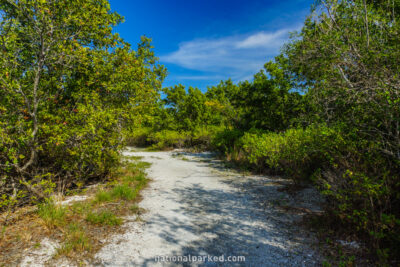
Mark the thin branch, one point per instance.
(344, 76)
(366, 22)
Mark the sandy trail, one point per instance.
(196, 207)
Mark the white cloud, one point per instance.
(264, 39)
(236, 56)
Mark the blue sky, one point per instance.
(204, 41)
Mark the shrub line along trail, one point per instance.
(194, 206)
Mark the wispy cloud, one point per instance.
(199, 77)
(264, 39)
(233, 56)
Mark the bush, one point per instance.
(360, 184)
(298, 153)
(200, 138)
(362, 189)
(138, 137)
(225, 140)
(167, 139)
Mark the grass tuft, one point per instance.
(80, 208)
(102, 196)
(53, 215)
(103, 218)
(75, 241)
(134, 179)
(135, 208)
(123, 191)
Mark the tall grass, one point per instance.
(103, 218)
(53, 215)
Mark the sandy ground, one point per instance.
(197, 207)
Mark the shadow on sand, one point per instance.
(245, 221)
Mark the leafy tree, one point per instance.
(189, 109)
(68, 86)
(224, 98)
(348, 59)
(268, 102)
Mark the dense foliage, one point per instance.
(69, 87)
(191, 118)
(347, 58)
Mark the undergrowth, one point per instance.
(81, 226)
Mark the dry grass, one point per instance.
(82, 227)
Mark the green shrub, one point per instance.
(298, 153)
(362, 190)
(138, 137)
(202, 137)
(225, 140)
(199, 138)
(167, 139)
(361, 184)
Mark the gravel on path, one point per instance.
(197, 208)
